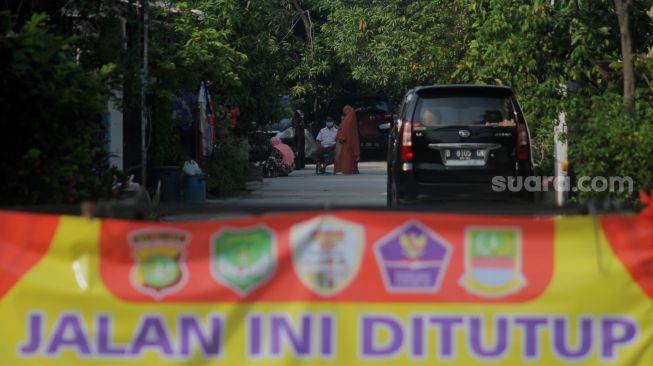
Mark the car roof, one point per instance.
(460, 87)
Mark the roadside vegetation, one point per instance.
(62, 61)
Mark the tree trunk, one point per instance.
(622, 8)
(307, 24)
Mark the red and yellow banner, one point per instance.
(336, 288)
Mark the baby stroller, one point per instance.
(324, 158)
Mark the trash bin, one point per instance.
(194, 188)
(169, 178)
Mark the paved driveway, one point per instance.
(304, 187)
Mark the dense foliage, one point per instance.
(238, 46)
(51, 125)
(565, 56)
(610, 143)
(396, 44)
(227, 169)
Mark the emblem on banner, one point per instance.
(493, 261)
(412, 259)
(243, 259)
(158, 254)
(327, 253)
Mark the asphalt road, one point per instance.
(304, 187)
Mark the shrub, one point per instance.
(52, 137)
(226, 169)
(607, 142)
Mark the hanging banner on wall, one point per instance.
(336, 288)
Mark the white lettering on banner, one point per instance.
(312, 336)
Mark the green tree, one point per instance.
(52, 137)
(541, 48)
(394, 45)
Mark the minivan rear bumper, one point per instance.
(411, 189)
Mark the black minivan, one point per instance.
(452, 140)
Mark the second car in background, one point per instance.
(371, 112)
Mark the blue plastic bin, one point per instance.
(194, 188)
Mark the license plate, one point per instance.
(464, 154)
(466, 157)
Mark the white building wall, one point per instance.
(115, 135)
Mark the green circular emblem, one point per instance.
(159, 271)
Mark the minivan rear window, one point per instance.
(463, 110)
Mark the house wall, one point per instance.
(115, 143)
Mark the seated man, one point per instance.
(326, 140)
(327, 135)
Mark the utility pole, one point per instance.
(561, 155)
(144, 82)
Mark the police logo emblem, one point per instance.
(158, 269)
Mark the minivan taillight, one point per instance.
(522, 142)
(407, 142)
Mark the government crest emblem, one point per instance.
(327, 253)
(413, 259)
(159, 268)
(493, 261)
(243, 259)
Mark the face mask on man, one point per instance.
(329, 124)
